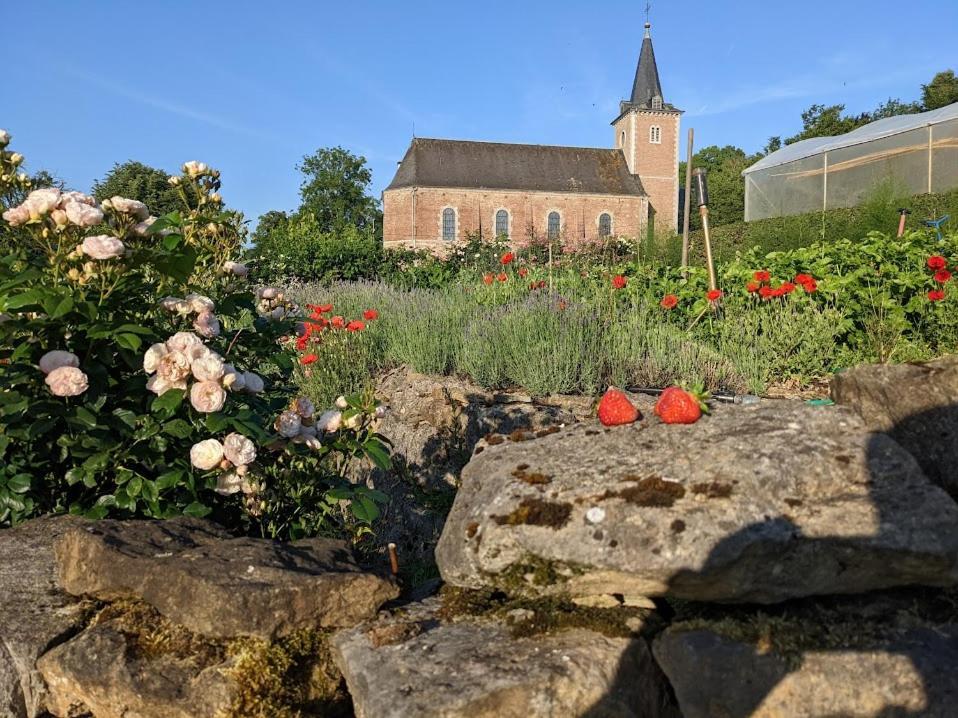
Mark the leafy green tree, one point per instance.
(774, 144)
(135, 180)
(941, 91)
(334, 190)
(827, 121)
(893, 107)
(724, 166)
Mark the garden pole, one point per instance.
(550, 265)
(688, 202)
(701, 186)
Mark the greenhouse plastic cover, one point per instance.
(865, 133)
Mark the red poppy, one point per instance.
(506, 258)
(370, 315)
(523, 272)
(619, 282)
(355, 326)
(787, 287)
(562, 305)
(338, 322)
(752, 287)
(669, 301)
(935, 295)
(308, 359)
(804, 279)
(936, 262)
(942, 276)
(810, 286)
(502, 276)
(766, 292)
(762, 276)
(487, 279)
(301, 343)
(713, 295)
(320, 308)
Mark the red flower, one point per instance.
(502, 276)
(766, 292)
(762, 276)
(713, 295)
(355, 326)
(936, 262)
(308, 359)
(338, 322)
(619, 282)
(320, 308)
(935, 295)
(804, 279)
(787, 287)
(942, 276)
(752, 287)
(487, 279)
(506, 258)
(810, 286)
(669, 301)
(301, 343)
(370, 315)
(523, 272)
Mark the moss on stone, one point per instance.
(537, 512)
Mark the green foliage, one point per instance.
(941, 91)
(334, 191)
(141, 182)
(726, 187)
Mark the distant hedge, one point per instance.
(879, 212)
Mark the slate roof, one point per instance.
(495, 165)
(646, 84)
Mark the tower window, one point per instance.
(449, 224)
(502, 224)
(605, 225)
(655, 135)
(657, 103)
(622, 139)
(554, 224)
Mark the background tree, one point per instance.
(334, 190)
(726, 187)
(941, 91)
(135, 180)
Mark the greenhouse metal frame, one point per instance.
(917, 153)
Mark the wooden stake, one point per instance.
(688, 201)
(393, 559)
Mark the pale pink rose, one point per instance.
(207, 396)
(74, 196)
(173, 366)
(130, 206)
(17, 215)
(152, 357)
(5, 138)
(238, 449)
(175, 305)
(341, 402)
(232, 379)
(103, 246)
(83, 215)
(254, 384)
(57, 358)
(236, 268)
(330, 421)
(206, 455)
(159, 386)
(142, 229)
(267, 293)
(59, 218)
(181, 341)
(41, 202)
(229, 483)
(194, 168)
(67, 381)
(206, 324)
(197, 352)
(209, 367)
(303, 406)
(199, 303)
(288, 424)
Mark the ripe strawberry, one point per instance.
(616, 409)
(680, 406)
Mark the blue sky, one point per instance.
(250, 87)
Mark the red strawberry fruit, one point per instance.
(681, 406)
(615, 409)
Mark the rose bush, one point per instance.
(141, 376)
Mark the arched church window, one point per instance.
(655, 135)
(605, 225)
(449, 224)
(502, 224)
(554, 224)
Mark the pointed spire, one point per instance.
(647, 90)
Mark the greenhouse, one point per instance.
(919, 153)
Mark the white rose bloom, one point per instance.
(103, 246)
(199, 303)
(4, 137)
(159, 386)
(173, 366)
(232, 379)
(59, 218)
(267, 293)
(207, 325)
(17, 215)
(236, 268)
(172, 304)
(152, 357)
(209, 367)
(42, 201)
(254, 384)
(288, 424)
(353, 422)
(229, 483)
(303, 406)
(73, 196)
(130, 206)
(341, 402)
(207, 396)
(206, 454)
(330, 421)
(238, 449)
(197, 352)
(313, 443)
(67, 381)
(142, 229)
(194, 168)
(181, 341)
(83, 215)
(57, 358)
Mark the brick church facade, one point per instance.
(445, 190)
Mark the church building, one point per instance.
(445, 190)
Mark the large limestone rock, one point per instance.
(214, 584)
(34, 614)
(415, 665)
(753, 504)
(916, 404)
(869, 663)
